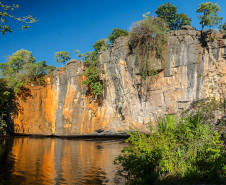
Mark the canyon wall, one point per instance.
(63, 106)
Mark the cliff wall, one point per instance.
(63, 107)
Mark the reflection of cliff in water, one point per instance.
(6, 162)
(58, 161)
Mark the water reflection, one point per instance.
(58, 161)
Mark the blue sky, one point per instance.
(76, 24)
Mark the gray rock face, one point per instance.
(179, 84)
(72, 61)
(187, 27)
(128, 100)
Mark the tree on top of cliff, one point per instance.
(101, 45)
(116, 33)
(4, 15)
(20, 68)
(62, 57)
(168, 12)
(209, 16)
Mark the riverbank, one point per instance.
(101, 136)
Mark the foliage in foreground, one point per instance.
(148, 38)
(185, 149)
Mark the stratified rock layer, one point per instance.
(64, 108)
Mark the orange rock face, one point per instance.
(36, 114)
(63, 107)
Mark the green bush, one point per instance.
(148, 39)
(179, 150)
(116, 33)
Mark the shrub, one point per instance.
(148, 38)
(116, 33)
(179, 150)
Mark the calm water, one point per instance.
(26, 160)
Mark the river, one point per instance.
(27, 160)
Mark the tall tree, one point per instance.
(5, 13)
(169, 13)
(209, 15)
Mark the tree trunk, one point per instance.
(202, 27)
(202, 36)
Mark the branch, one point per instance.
(26, 19)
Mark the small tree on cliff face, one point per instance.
(62, 57)
(168, 12)
(209, 16)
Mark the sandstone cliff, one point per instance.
(62, 107)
